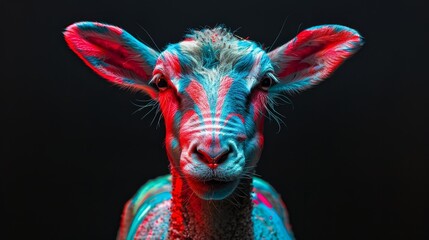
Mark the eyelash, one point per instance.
(267, 81)
(159, 82)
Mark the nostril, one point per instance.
(200, 153)
(223, 156)
(212, 158)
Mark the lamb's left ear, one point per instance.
(114, 54)
(312, 56)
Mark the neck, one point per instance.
(195, 218)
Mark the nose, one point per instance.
(213, 157)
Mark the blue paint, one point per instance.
(244, 64)
(209, 57)
(174, 143)
(128, 81)
(97, 62)
(91, 26)
(147, 54)
(270, 222)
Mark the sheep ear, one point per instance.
(114, 54)
(312, 56)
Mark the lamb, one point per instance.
(214, 90)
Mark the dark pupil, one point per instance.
(162, 83)
(266, 82)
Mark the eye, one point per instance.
(265, 83)
(161, 83)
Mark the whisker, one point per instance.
(278, 35)
(159, 50)
(153, 107)
(297, 31)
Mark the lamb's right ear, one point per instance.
(114, 54)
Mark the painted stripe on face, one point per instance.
(197, 93)
(211, 122)
(225, 85)
(171, 64)
(223, 91)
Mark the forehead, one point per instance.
(212, 54)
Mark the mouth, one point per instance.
(213, 189)
(217, 184)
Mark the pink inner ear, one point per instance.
(106, 54)
(117, 57)
(320, 50)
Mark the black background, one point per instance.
(350, 162)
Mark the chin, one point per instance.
(213, 189)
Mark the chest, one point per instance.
(154, 223)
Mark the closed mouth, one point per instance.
(215, 183)
(212, 188)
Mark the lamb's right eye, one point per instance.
(161, 83)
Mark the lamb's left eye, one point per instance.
(265, 83)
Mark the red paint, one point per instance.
(258, 102)
(264, 200)
(148, 218)
(172, 64)
(177, 219)
(197, 93)
(126, 218)
(110, 49)
(213, 165)
(321, 46)
(169, 106)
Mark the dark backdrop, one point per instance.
(350, 161)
